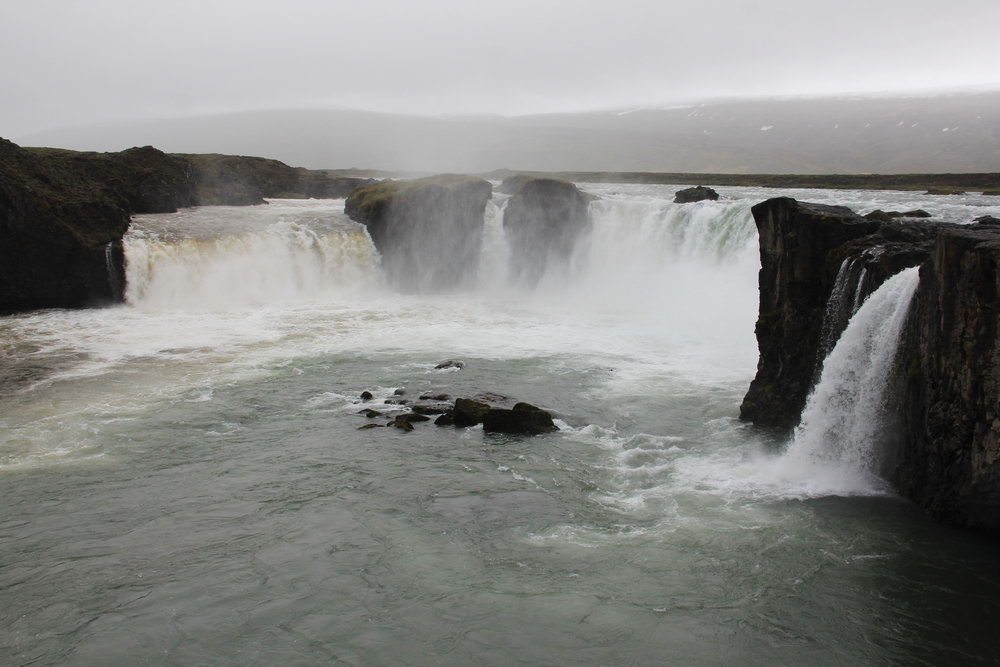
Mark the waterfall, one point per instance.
(847, 410)
(495, 255)
(284, 262)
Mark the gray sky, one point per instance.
(81, 61)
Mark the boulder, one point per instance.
(429, 231)
(522, 419)
(545, 220)
(468, 412)
(446, 419)
(414, 417)
(401, 424)
(512, 184)
(451, 363)
(695, 194)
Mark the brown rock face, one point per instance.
(429, 231)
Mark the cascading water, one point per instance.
(843, 418)
(286, 261)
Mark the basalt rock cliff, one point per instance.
(818, 263)
(429, 231)
(544, 220)
(63, 213)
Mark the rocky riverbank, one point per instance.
(818, 263)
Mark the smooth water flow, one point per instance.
(183, 480)
(844, 416)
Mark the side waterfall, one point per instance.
(847, 410)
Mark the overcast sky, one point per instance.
(69, 62)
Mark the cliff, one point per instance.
(818, 263)
(63, 213)
(429, 231)
(544, 220)
(948, 457)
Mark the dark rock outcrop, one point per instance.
(948, 455)
(544, 220)
(697, 193)
(429, 231)
(63, 213)
(796, 277)
(804, 248)
(469, 412)
(60, 231)
(944, 450)
(524, 418)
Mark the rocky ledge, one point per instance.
(63, 213)
(428, 231)
(817, 264)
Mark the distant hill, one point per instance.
(943, 133)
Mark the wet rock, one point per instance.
(401, 424)
(370, 414)
(544, 221)
(399, 392)
(446, 419)
(987, 220)
(434, 397)
(432, 408)
(524, 418)
(451, 363)
(366, 396)
(396, 401)
(413, 417)
(887, 216)
(490, 397)
(369, 426)
(879, 215)
(695, 194)
(428, 231)
(468, 412)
